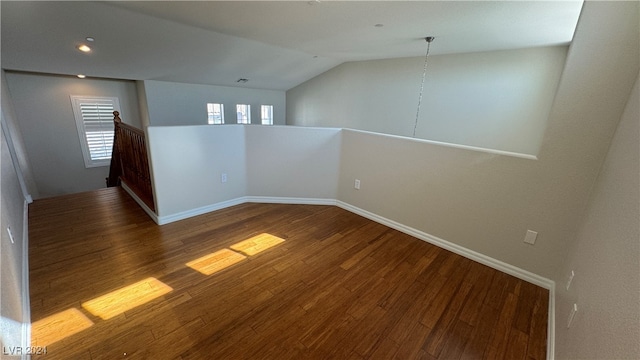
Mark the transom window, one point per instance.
(244, 113)
(215, 113)
(266, 114)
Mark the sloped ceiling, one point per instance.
(275, 44)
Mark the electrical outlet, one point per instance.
(570, 279)
(10, 235)
(531, 236)
(223, 178)
(572, 314)
(357, 184)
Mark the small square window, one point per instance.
(244, 113)
(215, 113)
(267, 114)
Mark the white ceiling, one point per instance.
(275, 44)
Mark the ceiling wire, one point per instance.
(428, 39)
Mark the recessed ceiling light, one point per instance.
(84, 48)
(89, 39)
(81, 76)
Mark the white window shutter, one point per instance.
(94, 119)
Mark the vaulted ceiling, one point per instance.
(275, 44)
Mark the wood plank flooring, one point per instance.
(338, 287)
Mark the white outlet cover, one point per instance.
(531, 236)
(357, 184)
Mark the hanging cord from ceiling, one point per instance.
(428, 39)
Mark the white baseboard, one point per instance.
(290, 200)
(444, 244)
(551, 324)
(462, 251)
(26, 299)
(162, 220)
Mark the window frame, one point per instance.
(270, 118)
(103, 121)
(210, 114)
(240, 121)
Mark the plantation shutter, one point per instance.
(94, 118)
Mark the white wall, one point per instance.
(14, 269)
(11, 122)
(294, 162)
(187, 163)
(483, 202)
(172, 103)
(45, 117)
(260, 161)
(142, 104)
(606, 257)
(497, 100)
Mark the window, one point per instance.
(215, 113)
(267, 114)
(244, 113)
(94, 120)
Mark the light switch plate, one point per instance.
(531, 236)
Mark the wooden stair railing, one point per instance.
(129, 161)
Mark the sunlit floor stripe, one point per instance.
(126, 298)
(257, 244)
(216, 261)
(58, 326)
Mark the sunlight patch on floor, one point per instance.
(216, 261)
(126, 298)
(58, 326)
(257, 244)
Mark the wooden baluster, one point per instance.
(129, 160)
(116, 117)
(115, 170)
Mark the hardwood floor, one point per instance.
(338, 287)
